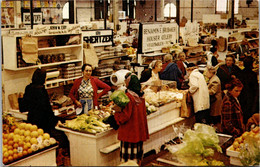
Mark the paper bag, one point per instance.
(29, 47)
(90, 55)
(13, 100)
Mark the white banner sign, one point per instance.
(57, 29)
(98, 37)
(157, 36)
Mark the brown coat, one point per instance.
(214, 87)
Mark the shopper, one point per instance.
(228, 71)
(214, 58)
(231, 113)
(200, 95)
(182, 64)
(249, 97)
(132, 121)
(36, 101)
(170, 71)
(84, 90)
(152, 73)
(253, 122)
(215, 93)
(243, 49)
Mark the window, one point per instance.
(65, 12)
(170, 10)
(222, 6)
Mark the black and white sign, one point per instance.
(156, 36)
(98, 37)
(37, 18)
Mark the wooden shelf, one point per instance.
(106, 76)
(114, 57)
(233, 42)
(55, 82)
(153, 54)
(44, 65)
(59, 47)
(251, 39)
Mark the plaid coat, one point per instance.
(231, 116)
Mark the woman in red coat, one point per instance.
(84, 90)
(133, 128)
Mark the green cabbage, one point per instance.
(120, 98)
(197, 145)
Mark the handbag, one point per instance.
(212, 98)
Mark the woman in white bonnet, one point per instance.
(153, 72)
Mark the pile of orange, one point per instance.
(239, 142)
(25, 139)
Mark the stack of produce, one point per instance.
(23, 141)
(162, 97)
(248, 147)
(198, 147)
(85, 123)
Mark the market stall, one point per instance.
(103, 148)
(25, 144)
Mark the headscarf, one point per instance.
(39, 77)
(134, 87)
(152, 64)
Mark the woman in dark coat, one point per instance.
(249, 97)
(228, 71)
(36, 102)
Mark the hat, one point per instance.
(211, 69)
(202, 67)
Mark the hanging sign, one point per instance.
(156, 36)
(98, 37)
(57, 29)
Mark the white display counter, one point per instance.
(102, 149)
(85, 148)
(44, 158)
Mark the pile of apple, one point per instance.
(24, 140)
(239, 142)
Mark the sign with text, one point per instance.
(157, 36)
(37, 18)
(57, 29)
(98, 37)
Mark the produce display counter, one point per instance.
(46, 157)
(102, 149)
(160, 125)
(85, 149)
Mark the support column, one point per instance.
(72, 8)
(105, 14)
(17, 14)
(178, 12)
(31, 13)
(161, 10)
(115, 15)
(232, 13)
(191, 17)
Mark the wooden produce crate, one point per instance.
(47, 157)
(234, 160)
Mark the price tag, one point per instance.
(39, 139)
(19, 149)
